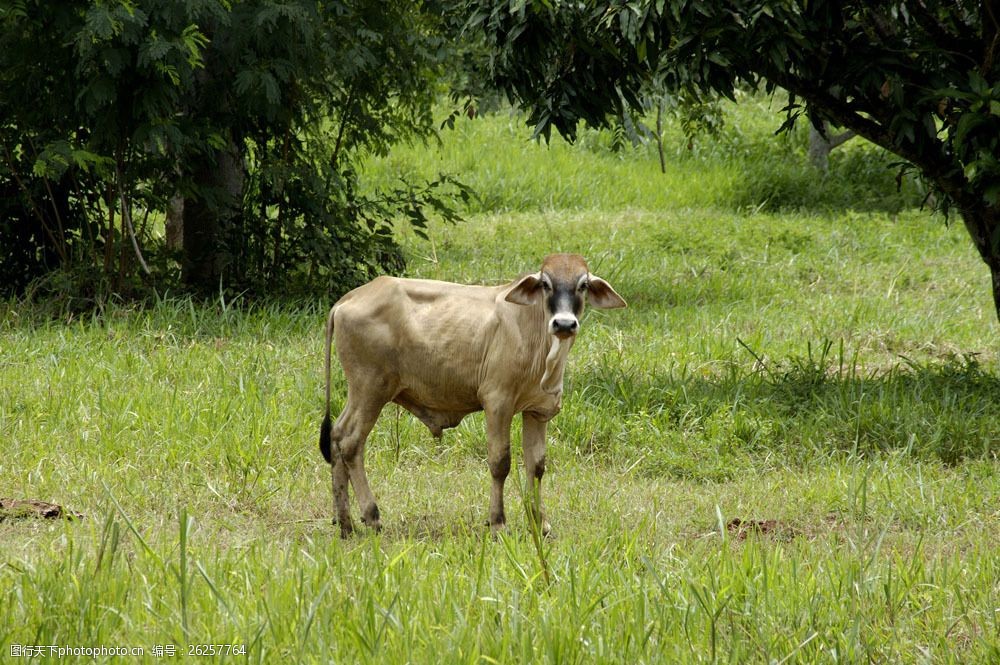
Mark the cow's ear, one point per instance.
(602, 296)
(527, 291)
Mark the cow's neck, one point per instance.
(555, 364)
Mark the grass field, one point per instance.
(816, 353)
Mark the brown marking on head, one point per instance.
(563, 283)
(564, 267)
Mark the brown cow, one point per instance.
(443, 351)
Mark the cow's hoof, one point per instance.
(544, 526)
(346, 529)
(373, 519)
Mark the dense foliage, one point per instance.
(242, 120)
(920, 78)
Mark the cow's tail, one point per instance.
(324, 430)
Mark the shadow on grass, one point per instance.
(861, 177)
(800, 410)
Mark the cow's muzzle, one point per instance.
(563, 326)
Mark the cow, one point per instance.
(442, 351)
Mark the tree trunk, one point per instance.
(175, 223)
(995, 274)
(210, 218)
(821, 143)
(983, 223)
(659, 134)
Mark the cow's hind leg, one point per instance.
(350, 434)
(330, 445)
(357, 426)
(341, 502)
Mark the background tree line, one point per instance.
(243, 122)
(238, 123)
(916, 77)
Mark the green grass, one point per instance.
(832, 367)
(745, 169)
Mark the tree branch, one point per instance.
(991, 35)
(957, 44)
(56, 243)
(841, 138)
(127, 217)
(937, 168)
(345, 115)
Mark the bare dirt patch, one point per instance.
(31, 508)
(741, 529)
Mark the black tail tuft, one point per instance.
(324, 439)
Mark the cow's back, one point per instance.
(424, 339)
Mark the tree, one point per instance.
(822, 142)
(916, 77)
(243, 120)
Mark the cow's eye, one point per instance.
(584, 286)
(546, 286)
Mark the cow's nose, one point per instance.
(564, 326)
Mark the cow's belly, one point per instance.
(436, 413)
(448, 384)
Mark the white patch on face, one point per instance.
(563, 323)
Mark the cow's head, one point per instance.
(563, 285)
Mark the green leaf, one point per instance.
(978, 84)
(992, 197)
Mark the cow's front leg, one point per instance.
(498, 444)
(533, 439)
